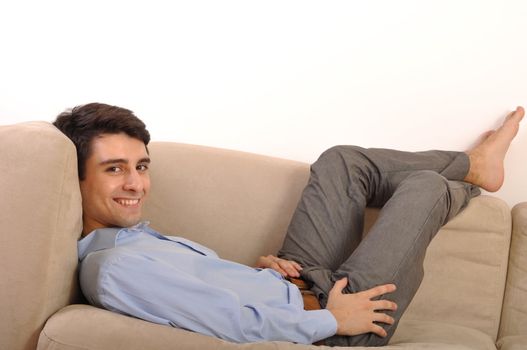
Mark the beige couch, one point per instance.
(474, 295)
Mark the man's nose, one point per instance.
(133, 181)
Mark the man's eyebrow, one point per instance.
(123, 161)
(114, 161)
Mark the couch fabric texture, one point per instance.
(473, 296)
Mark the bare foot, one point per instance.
(486, 158)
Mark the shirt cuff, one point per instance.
(326, 324)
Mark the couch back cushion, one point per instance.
(40, 216)
(514, 317)
(466, 268)
(238, 204)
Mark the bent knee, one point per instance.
(339, 150)
(427, 181)
(346, 153)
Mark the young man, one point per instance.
(129, 268)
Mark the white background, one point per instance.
(283, 78)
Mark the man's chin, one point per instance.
(129, 222)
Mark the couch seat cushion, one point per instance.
(515, 342)
(443, 335)
(87, 327)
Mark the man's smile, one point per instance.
(128, 202)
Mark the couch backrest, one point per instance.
(40, 221)
(514, 317)
(240, 204)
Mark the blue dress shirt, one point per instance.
(173, 281)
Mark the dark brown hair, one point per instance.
(83, 123)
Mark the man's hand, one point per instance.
(286, 268)
(355, 313)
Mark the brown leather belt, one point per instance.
(310, 299)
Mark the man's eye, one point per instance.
(113, 169)
(142, 167)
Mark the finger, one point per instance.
(293, 272)
(384, 305)
(380, 290)
(339, 285)
(296, 265)
(293, 264)
(277, 268)
(380, 317)
(378, 330)
(289, 268)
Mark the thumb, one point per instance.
(339, 285)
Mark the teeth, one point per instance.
(128, 202)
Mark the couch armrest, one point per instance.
(514, 315)
(40, 216)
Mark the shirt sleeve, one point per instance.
(162, 294)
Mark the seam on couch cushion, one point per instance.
(56, 342)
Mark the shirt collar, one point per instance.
(102, 238)
(107, 238)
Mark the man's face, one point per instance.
(116, 182)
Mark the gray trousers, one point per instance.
(418, 192)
